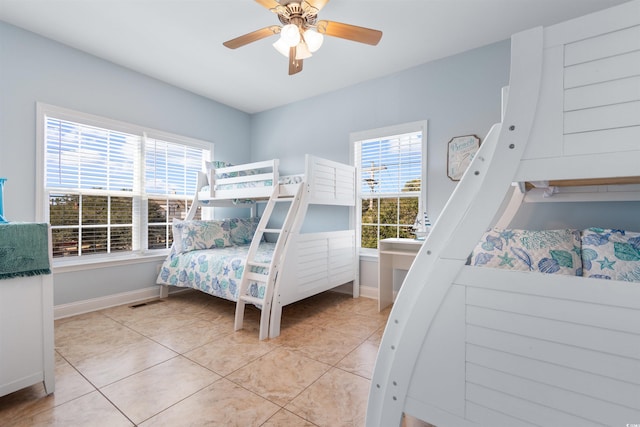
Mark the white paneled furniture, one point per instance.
(26, 329)
(467, 346)
(393, 254)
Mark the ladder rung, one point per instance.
(271, 230)
(256, 277)
(252, 300)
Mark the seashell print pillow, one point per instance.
(243, 229)
(197, 235)
(611, 254)
(176, 232)
(545, 251)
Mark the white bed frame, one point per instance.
(310, 263)
(245, 175)
(319, 261)
(466, 346)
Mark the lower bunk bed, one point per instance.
(538, 350)
(471, 346)
(216, 271)
(267, 261)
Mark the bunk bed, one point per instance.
(469, 346)
(270, 261)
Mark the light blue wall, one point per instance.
(458, 95)
(35, 69)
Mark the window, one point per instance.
(390, 164)
(110, 187)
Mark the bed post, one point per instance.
(164, 291)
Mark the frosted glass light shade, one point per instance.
(302, 51)
(282, 47)
(290, 34)
(313, 39)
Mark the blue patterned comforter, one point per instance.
(214, 271)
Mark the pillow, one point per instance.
(196, 235)
(611, 254)
(546, 251)
(243, 229)
(176, 246)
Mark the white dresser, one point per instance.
(26, 314)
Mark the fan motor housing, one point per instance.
(301, 14)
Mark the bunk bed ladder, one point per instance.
(269, 272)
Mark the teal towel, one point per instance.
(24, 249)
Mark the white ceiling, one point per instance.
(180, 41)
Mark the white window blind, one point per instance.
(170, 168)
(80, 157)
(391, 165)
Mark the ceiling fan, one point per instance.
(301, 33)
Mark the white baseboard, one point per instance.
(94, 304)
(368, 292)
(80, 307)
(365, 291)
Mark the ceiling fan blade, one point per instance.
(252, 37)
(318, 4)
(269, 4)
(349, 32)
(295, 65)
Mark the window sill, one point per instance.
(91, 262)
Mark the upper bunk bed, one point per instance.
(267, 261)
(225, 184)
(469, 346)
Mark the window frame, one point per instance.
(42, 196)
(380, 133)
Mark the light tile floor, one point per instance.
(178, 362)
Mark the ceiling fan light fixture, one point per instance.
(290, 34)
(301, 33)
(282, 47)
(313, 39)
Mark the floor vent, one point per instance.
(142, 304)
